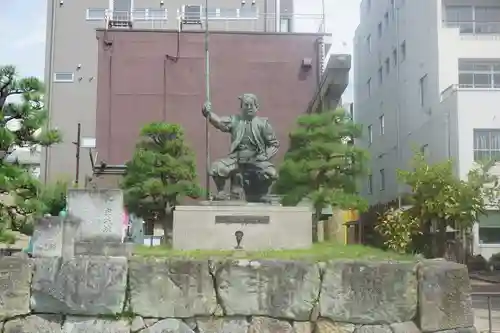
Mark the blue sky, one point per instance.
(22, 23)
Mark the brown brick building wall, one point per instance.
(140, 80)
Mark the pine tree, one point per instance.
(322, 164)
(161, 173)
(22, 125)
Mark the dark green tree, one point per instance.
(161, 173)
(322, 164)
(23, 124)
(53, 197)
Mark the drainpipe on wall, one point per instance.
(278, 15)
(48, 90)
(319, 72)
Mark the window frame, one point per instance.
(473, 25)
(422, 87)
(490, 150)
(88, 17)
(490, 69)
(370, 134)
(381, 120)
(382, 179)
(55, 79)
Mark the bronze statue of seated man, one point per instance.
(253, 144)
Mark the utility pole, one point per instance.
(398, 98)
(207, 99)
(78, 144)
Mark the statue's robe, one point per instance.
(255, 136)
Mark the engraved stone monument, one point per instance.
(245, 218)
(101, 212)
(101, 228)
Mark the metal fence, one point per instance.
(489, 296)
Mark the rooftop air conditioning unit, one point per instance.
(191, 14)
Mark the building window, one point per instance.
(479, 74)
(379, 29)
(64, 77)
(387, 66)
(386, 19)
(370, 184)
(96, 14)
(369, 87)
(489, 228)
(382, 179)
(369, 43)
(393, 9)
(473, 19)
(422, 87)
(403, 51)
(370, 134)
(395, 57)
(368, 5)
(486, 144)
(380, 75)
(381, 121)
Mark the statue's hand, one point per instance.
(261, 158)
(206, 109)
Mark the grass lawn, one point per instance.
(319, 252)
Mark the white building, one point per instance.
(427, 76)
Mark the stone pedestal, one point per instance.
(260, 227)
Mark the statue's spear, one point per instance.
(207, 98)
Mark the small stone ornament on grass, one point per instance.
(239, 237)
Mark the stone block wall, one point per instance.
(152, 295)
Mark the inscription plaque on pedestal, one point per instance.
(242, 219)
(252, 227)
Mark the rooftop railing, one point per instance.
(225, 19)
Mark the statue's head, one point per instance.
(249, 105)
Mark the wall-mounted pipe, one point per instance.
(278, 15)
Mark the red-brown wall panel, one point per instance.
(138, 84)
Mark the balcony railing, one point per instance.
(234, 20)
(225, 19)
(474, 27)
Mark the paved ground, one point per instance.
(480, 305)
